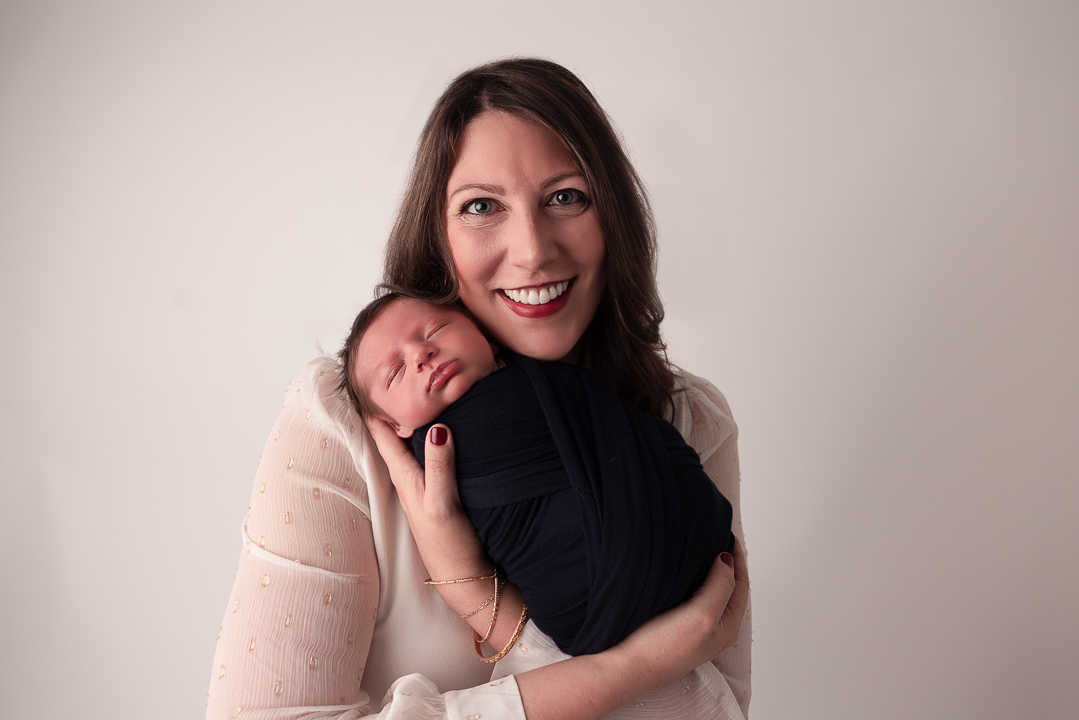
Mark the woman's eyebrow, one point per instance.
(493, 189)
(563, 176)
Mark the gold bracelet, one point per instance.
(494, 614)
(485, 603)
(494, 573)
(509, 646)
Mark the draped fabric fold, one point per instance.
(600, 513)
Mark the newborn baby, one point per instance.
(601, 514)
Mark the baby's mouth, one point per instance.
(537, 295)
(442, 373)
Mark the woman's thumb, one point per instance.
(438, 461)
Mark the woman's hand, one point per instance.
(657, 653)
(446, 538)
(447, 541)
(700, 628)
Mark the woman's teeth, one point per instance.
(533, 296)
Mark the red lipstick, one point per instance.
(538, 311)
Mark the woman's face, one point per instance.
(525, 236)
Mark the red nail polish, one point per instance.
(727, 559)
(438, 435)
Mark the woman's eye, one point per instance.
(566, 196)
(482, 206)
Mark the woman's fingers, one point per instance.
(440, 479)
(405, 470)
(731, 622)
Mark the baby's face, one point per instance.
(416, 359)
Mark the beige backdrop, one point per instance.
(869, 216)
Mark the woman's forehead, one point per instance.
(497, 147)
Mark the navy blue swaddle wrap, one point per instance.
(600, 513)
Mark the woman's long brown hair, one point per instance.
(623, 342)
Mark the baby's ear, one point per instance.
(402, 431)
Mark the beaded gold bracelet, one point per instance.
(494, 613)
(509, 646)
(485, 602)
(494, 573)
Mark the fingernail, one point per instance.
(727, 559)
(438, 435)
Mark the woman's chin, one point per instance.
(548, 345)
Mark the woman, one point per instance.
(519, 184)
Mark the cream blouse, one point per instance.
(328, 615)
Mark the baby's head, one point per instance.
(406, 360)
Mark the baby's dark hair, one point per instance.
(385, 295)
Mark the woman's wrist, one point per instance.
(585, 687)
(464, 598)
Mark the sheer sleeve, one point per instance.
(704, 418)
(327, 607)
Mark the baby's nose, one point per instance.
(422, 354)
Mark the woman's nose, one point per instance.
(531, 244)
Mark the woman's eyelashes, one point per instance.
(483, 209)
(479, 206)
(568, 197)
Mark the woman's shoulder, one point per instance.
(318, 410)
(701, 412)
(318, 385)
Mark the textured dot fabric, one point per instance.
(329, 617)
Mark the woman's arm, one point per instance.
(583, 687)
(298, 626)
(704, 419)
(296, 637)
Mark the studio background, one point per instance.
(869, 227)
